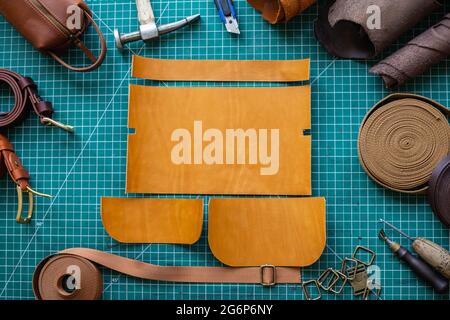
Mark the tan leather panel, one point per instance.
(277, 231)
(221, 70)
(177, 221)
(156, 113)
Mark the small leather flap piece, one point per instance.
(150, 220)
(219, 140)
(221, 70)
(289, 232)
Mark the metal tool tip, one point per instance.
(193, 18)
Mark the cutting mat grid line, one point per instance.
(79, 169)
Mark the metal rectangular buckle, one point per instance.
(274, 272)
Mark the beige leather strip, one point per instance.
(255, 231)
(219, 140)
(52, 271)
(401, 141)
(176, 221)
(221, 70)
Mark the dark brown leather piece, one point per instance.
(343, 25)
(44, 24)
(439, 191)
(12, 163)
(417, 57)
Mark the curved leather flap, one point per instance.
(288, 232)
(174, 221)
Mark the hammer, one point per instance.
(148, 29)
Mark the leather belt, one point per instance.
(72, 274)
(25, 93)
(401, 141)
(439, 191)
(10, 163)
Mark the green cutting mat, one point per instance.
(79, 169)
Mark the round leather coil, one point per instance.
(402, 139)
(53, 274)
(439, 191)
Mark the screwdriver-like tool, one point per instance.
(432, 253)
(420, 267)
(228, 15)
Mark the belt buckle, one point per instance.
(274, 277)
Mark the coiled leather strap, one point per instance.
(439, 191)
(401, 141)
(25, 94)
(76, 268)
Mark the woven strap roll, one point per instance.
(402, 139)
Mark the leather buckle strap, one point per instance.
(25, 94)
(11, 163)
(268, 271)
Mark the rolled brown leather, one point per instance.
(80, 265)
(401, 141)
(343, 26)
(417, 57)
(439, 191)
(276, 11)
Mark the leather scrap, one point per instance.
(439, 191)
(180, 143)
(276, 11)
(151, 220)
(79, 268)
(221, 70)
(401, 141)
(343, 29)
(417, 57)
(288, 232)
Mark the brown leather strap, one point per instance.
(52, 271)
(11, 162)
(275, 11)
(96, 62)
(401, 141)
(25, 93)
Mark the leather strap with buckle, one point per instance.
(10, 163)
(25, 94)
(78, 267)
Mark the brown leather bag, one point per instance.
(45, 24)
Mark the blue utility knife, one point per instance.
(228, 15)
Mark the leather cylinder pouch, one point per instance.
(53, 26)
(402, 139)
(289, 232)
(362, 29)
(149, 220)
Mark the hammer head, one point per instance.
(149, 31)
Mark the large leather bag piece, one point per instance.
(44, 23)
(284, 232)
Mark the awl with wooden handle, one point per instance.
(432, 253)
(420, 267)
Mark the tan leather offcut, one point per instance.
(402, 139)
(221, 70)
(219, 140)
(174, 221)
(275, 11)
(277, 231)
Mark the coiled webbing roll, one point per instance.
(402, 139)
(72, 274)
